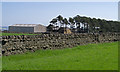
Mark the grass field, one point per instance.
(6, 34)
(0, 63)
(87, 57)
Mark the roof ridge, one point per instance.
(25, 25)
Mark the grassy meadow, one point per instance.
(0, 63)
(86, 57)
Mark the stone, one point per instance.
(23, 43)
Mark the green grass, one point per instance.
(0, 63)
(6, 34)
(87, 57)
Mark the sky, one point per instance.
(59, 0)
(44, 12)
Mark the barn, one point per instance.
(27, 28)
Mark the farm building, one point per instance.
(29, 28)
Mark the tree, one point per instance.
(65, 22)
(60, 19)
(77, 22)
(87, 24)
(54, 22)
(83, 21)
(50, 28)
(71, 22)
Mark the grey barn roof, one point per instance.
(26, 25)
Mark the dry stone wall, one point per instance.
(21, 44)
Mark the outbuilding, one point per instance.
(29, 28)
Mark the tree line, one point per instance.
(82, 24)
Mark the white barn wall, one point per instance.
(27, 28)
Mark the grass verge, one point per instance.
(6, 34)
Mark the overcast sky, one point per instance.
(43, 12)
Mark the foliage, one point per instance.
(86, 24)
